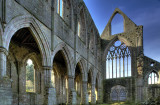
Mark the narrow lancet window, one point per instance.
(59, 7)
(118, 61)
(78, 29)
(30, 76)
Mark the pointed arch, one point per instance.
(128, 24)
(82, 25)
(82, 64)
(117, 24)
(69, 60)
(27, 21)
(154, 71)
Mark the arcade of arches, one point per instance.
(52, 53)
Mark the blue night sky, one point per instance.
(141, 12)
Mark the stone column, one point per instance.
(5, 82)
(50, 92)
(84, 97)
(71, 98)
(93, 95)
(99, 96)
(3, 60)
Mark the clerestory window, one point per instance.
(78, 29)
(118, 61)
(60, 7)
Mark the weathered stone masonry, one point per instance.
(75, 57)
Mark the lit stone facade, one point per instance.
(74, 56)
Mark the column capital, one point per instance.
(4, 50)
(47, 67)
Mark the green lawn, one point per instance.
(120, 103)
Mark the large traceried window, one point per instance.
(60, 7)
(153, 78)
(30, 76)
(118, 61)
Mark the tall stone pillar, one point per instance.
(3, 61)
(139, 79)
(93, 95)
(99, 100)
(50, 92)
(84, 97)
(71, 98)
(5, 82)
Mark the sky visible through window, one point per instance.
(141, 12)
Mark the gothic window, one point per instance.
(78, 29)
(118, 93)
(153, 78)
(82, 26)
(117, 24)
(118, 61)
(59, 7)
(30, 76)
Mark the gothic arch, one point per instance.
(27, 21)
(83, 24)
(128, 24)
(82, 64)
(34, 58)
(147, 75)
(69, 60)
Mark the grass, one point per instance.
(120, 103)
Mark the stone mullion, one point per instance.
(127, 65)
(123, 66)
(109, 66)
(112, 67)
(116, 65)
(119, 66)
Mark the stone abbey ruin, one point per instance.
(51, 53)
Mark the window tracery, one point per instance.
(118, 93)
(118, 61)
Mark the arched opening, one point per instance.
(60, 74)
(118, 61)
(78, 82)
(153, 78)
(89, 86)
(24, 70)
(82, 27)
(117, 24)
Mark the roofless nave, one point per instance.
(51, 53)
